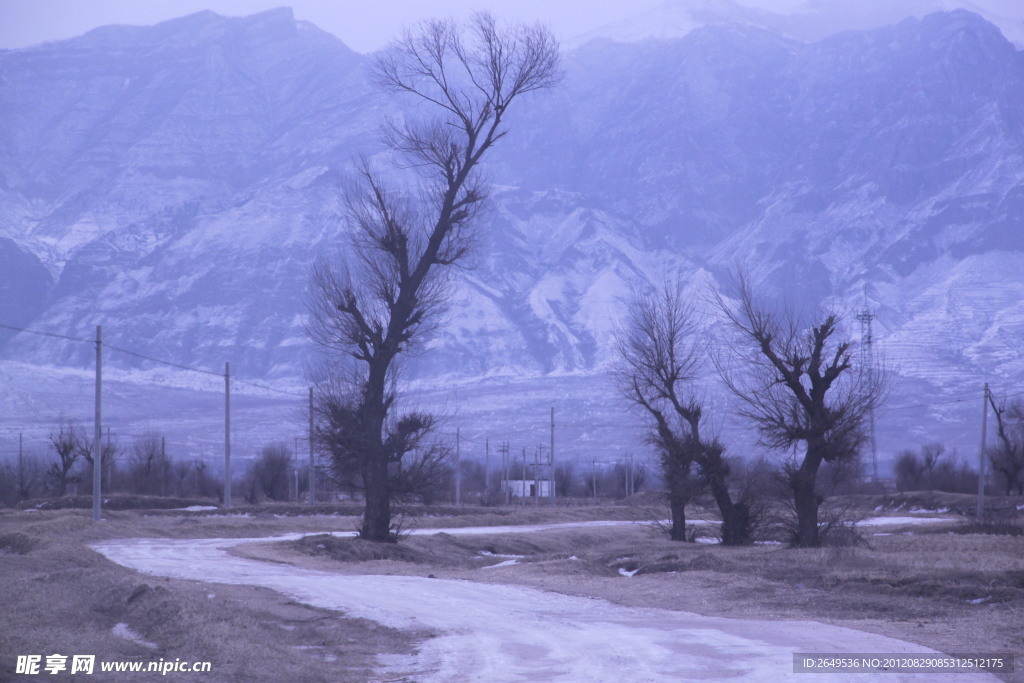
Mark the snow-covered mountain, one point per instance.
(173, 183)
(807, 21)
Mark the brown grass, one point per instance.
(59, 596)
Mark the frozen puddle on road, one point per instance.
(491, 632)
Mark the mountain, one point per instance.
(174, 182)
(147, 167)
(810, 20)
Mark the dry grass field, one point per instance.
(955, 592)
(59, 596)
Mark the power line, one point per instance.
(47, 334)
(268, 388)
(163, 362)
(952, 400)
(151, 359)
(294, 394)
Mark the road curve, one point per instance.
(489, 632)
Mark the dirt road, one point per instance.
(491, 632)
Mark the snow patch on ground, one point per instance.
(487, 553)
(879, 521)
(125, 631)
(506, 563)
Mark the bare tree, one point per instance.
(426, 474)
(417, 467)
(67, 444)
(931, 455)
(565, 479)
(660, 352)
(1007, 458)
(204, 486)
(270, 471)
(149, 467)
(908, 471)
(109, 455)
(370, 310)
(930, 468)
(181, 472)
(802, 390)
(29, 474)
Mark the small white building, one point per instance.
(527, 488)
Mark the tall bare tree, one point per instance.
(802, 390)
(369, 310)
(1007, 458)
(661, 351)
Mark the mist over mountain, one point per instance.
(174, 182)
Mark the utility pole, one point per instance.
(629, 475)
(551, 455)
(295, 465)
(21, 463)
(163, 465)
(487, 466)
(312, 469)
(227, 435)
(505, 468)
(458, 470)
(593, 477)
(536, 474)
(97, 443)
(523, 483)
(868, 366)
(981, 455)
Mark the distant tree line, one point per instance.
(143, 466)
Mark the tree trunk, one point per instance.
(677, 470)
(806, 500)
(377, 484)
(678, 508)
(377, 514)
(735, 516)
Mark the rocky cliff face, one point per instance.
(173, 183)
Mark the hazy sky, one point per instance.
(363, 25)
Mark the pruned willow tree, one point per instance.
(802, 388)
(1007, 457)
(661, 351)
(369, 310)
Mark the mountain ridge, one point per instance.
(179, 203)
